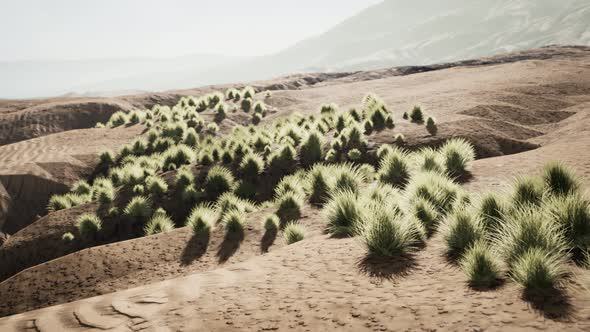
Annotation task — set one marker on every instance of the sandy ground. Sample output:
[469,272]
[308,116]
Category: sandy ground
[519,114]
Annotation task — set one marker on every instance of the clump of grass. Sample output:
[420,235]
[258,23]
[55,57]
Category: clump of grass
[184,178]
[289,207]
[107,158]
[417,115]
[435,187]
[293,232]
[246,104]
[457,153]
[389,234]
[426,213]
[572,214]
[234,222]
[283,161]
[178,155]
[311,150]
[429,159]
[82,188]
[202,219]
[527,190]
[490,210]
[272,223]
[319,185]
[399,139]
[218,181]
[354,155]
[252,165]
[405,116]
[344,212]
[67,237]
[462,230]
[159,223]
[89,224]
[560,179]
[394,168]
[139,207]
[431,126]
[538,270]
[156,185]
[481,265]
[58,202]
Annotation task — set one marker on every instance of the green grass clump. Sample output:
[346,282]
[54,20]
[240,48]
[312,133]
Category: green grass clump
[234,222]
[426,213]
[67,237]
[347,177]
[394,168]
[435,187]
[329,108]
[202,219]
[560,179]
[319,185]
[89,224]
[572,214]
[539,270]
[354,155]
[399,139]
[246,104]
[259,107]
[289,207]
[431,126]
[248,92]
[212,128]
[184,178]
[58,202]
[463,229]
[344,212]
[252,166]
[82,188]
[218,181]
[229,201]
[107,158]
[417,115]
[389,234]
[283,161]
[527,190]
[293,232]
[429,159]
[156,185]
[311,150]
[457,153]
[118,119]
[272,223]
[481,266]
[159,223]
[105,194]
[178,155]
[139,207]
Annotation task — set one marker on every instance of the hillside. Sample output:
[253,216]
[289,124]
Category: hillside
[517,110]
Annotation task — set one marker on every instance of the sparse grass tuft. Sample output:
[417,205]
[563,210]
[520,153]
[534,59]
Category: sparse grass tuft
[572,214]
[490,209]
[67,237]
[293,232]
[431,126]
[156,185]
[527,190]
[389,234]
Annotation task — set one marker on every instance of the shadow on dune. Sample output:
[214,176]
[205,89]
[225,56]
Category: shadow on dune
[552,304]
[229,246]
[195,248]
[267,240]
[386,267]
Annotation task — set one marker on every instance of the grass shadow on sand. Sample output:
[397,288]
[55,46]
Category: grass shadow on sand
[229,246]
[268,239]
[195,248]
[552,304]
[386,267]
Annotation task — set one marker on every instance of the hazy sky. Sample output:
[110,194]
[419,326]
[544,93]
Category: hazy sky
[80,29]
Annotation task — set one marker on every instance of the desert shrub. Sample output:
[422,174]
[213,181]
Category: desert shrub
[220,112]
[426,213]
[394,168]
[191,139]
[214,99]
[159,223]
[355,115]
[572,214]
[293,232]
[347,177]
[230,94]
[389,122]
[354,155]
[184,178]
[229,201]
[89,224]
[139,189]
[139,207]
[283,161]
[294,183]
[384,150]
[431,126]
[538,269]
[256,118]
[252,166]
[319,185]
[156,185]
[135,117]
[526,228]
[82,188]
[378,118]
[481,266]
[311,150]
[367,172]
[399,139]
[344,212]
[271,223]
[384,194]
[368,126]
[527,190]
[429,159]
[163,144]
[67,237]
[405,116]
[118,119]
[248,92]
[389,234]
[456,154]
[490,210]
[259,107]
[289,206]
[105,194]
[190,194]
[107,158]
[212,128]
[462,230]
[416,114]
[218,181]
[329,108]
[560,179]
[178,155]
[246,104]
[174,131]
[201,219]
[234,221]
[58,202]
[435,187]
[139,147]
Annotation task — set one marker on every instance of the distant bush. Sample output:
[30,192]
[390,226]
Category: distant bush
[293,232]
[212,128]
[394,168]
[560,179]
[159,223]
[259,107]
[329,108]
[431,126]
[481,265]
[344,212]
[256,118]
[399,139]
[283,161]
[89,224]
[416,115]
[220,112]
[462,231]
[201,220]
[218,181]
[405,116]
[118,119]
[192,138]
[82,188]
[139,207]
[289,207]
[67,237]
[107,158]
[457,154]
[246,104]
[248,92]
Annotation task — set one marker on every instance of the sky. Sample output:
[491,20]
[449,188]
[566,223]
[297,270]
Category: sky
[84,29]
